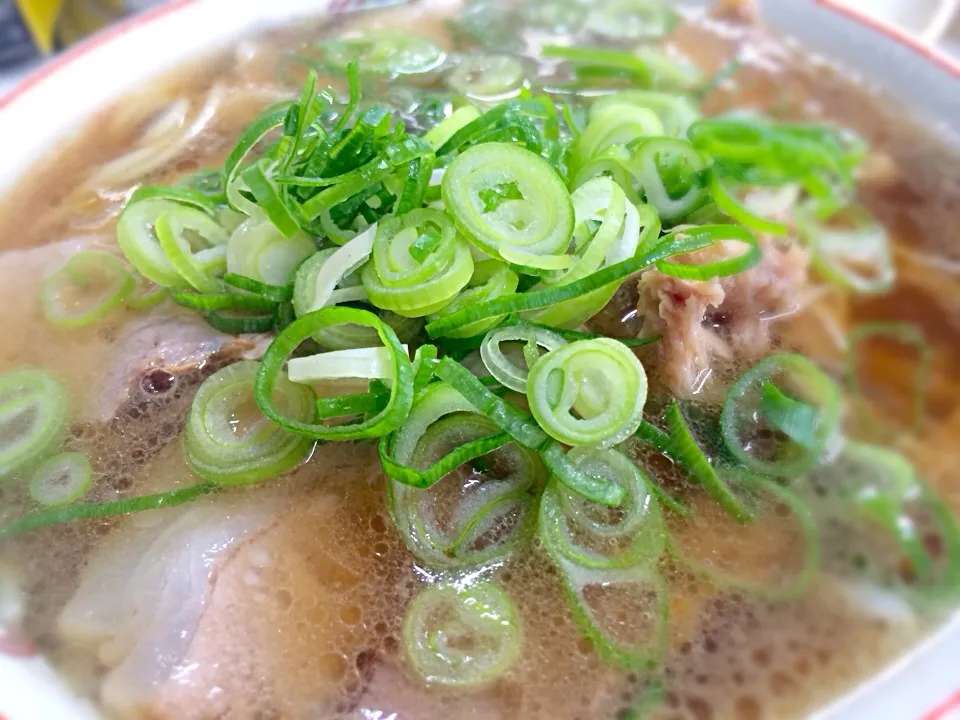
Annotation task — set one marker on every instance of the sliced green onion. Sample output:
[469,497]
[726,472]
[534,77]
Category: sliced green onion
[670,70]
[676,112]
[137,236]
[631,19]
[853,252]
[419,264]
[432,403]
[442,132]
[146,294]
[906,335]
[371,363]
[668,172]
[503,368]
[419,173]
[525,431]
[892,486]
[33,412]
[384,51]
[201,268]
[283,346]
[628,63]
[325,279]
[274,293]
[259,251]
[729,204]
[601,380]
[601,597]
[238,324]
[764,400]
[491,279]
[795,419]
[233,185]
[609,229]
[511,204]
[181,195]
[770,503]
[612,123]
[886,492]
[227,441]
[595,536]
[223,301]
[472,517]
[462,636]
[88,286]
[685,448]
[268,197]
[79,511]
[430,296]
[666,247]
[61,479]
[487,77]
[721,268]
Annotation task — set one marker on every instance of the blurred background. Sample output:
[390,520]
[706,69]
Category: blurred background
[33,30]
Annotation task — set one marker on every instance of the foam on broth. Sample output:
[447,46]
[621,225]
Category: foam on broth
[304,618]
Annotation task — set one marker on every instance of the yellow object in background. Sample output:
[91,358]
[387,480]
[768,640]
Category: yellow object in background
[54,24]
[40,17]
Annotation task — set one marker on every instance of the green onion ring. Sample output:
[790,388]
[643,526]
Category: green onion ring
[444,618]
[602,380]
[743,413]
[720,268]
[61,479]
[283,346]
[482,510]
[223,454]
[501,367]
[635,530]
[33,412]
[85,271]
[511,204]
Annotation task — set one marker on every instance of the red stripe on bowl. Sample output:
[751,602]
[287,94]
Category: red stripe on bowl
[940,712]
[16,646]
[941,59]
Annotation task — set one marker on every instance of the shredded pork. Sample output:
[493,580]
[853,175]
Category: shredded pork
[723,319]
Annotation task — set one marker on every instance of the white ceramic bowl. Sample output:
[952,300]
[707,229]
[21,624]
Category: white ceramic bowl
[924,685]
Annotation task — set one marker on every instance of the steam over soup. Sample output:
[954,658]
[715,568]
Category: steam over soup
[514,360]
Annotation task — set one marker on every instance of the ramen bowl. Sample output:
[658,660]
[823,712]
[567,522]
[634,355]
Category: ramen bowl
[47,107]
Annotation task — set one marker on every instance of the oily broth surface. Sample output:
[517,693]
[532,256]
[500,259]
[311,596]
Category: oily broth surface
[731,655]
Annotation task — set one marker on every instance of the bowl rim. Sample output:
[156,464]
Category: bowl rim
[35,78]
